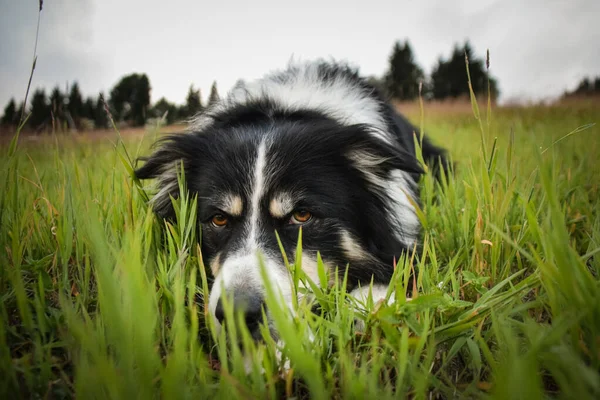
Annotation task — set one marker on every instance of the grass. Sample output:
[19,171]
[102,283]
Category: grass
[102,300]
[99,299]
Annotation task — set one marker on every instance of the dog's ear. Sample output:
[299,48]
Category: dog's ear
[390,173]
[165,165]
[374,156]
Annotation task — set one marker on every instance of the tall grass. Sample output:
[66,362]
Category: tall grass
[100,299]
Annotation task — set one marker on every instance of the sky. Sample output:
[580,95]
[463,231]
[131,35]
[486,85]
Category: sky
[538,48]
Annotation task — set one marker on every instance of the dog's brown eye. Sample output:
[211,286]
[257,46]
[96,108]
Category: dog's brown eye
[219,220]
[300,217]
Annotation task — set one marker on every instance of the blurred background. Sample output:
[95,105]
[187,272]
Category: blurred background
[149,60]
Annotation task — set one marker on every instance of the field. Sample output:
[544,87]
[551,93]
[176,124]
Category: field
[99,301]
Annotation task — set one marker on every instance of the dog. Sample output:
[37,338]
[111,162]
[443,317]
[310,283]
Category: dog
[313,146]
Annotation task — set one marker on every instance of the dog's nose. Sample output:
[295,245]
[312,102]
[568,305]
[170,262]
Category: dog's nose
[250,305]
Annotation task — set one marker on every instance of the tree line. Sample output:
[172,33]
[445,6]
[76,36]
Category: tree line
[129,100]
[128,103]
[405,79]
[587,87]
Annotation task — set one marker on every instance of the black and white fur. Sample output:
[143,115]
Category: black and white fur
[314,137]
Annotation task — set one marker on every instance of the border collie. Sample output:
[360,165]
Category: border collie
[312,146]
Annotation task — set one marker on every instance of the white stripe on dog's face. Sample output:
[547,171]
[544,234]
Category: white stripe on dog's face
[257,191]
[240,270]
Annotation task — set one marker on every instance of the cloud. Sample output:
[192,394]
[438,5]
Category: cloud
[65,50]
[538,48]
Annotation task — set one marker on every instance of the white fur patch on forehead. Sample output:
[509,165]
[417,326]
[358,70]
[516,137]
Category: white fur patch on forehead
[302,87]
[232,204]
[281,205]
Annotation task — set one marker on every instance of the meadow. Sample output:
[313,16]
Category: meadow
[100,299]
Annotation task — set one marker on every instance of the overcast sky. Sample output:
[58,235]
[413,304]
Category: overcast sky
[538,48]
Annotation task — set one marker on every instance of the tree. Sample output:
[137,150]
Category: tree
[193,103]
[379,84]
[130,99]
[57,100]
[442,83]
[141,102]
[88,109]
[10,117]
[100,117]
[75,106]
[40,110]
[403,76]
[163,106]
[586,87]
[449,78]
[214,95]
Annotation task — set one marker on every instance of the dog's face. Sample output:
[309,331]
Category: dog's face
[277,176]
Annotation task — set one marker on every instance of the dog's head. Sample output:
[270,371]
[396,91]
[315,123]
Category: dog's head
[343,185]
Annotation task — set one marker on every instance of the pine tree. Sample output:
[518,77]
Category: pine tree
[88,109]
[130,99]
[403,77]
[40,110]
[449,78]
[441,80]
[141,101]
[57,100]
[100,117]
[10,117]
[75,106]
[162,107]
[193,103]
[586,87]
[214,95]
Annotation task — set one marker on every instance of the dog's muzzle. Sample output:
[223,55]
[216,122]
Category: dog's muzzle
[250,305]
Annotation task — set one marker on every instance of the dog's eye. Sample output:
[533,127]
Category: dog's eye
[219,220]
[300,217]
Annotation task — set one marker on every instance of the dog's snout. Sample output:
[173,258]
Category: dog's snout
[249,304]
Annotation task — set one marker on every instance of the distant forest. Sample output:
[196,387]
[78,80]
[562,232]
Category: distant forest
[129,102]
